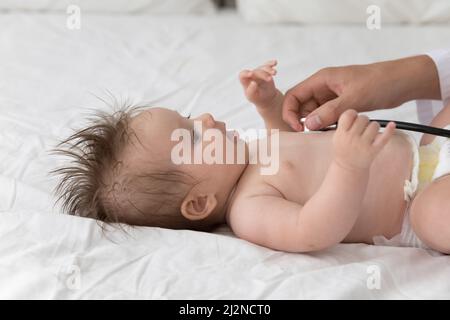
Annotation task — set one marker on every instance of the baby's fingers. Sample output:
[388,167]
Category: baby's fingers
[245,77]
[346,120]
[259,74]
[382,139]
[252,88]
[271,63]
[269,67]
[270,70]
[371,132]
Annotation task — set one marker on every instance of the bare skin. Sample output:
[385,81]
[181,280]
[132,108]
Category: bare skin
[430,209]
[326,191]
[331,187]
[265,209]
[325,95]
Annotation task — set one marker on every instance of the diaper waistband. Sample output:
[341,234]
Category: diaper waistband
[411,185]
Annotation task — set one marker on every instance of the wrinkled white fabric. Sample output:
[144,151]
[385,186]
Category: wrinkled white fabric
[49,77]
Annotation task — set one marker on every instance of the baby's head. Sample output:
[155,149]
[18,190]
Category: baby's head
[122,171]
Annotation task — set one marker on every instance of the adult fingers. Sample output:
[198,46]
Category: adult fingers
[291,112]
[325,115]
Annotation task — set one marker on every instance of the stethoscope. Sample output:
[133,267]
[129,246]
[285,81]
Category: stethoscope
[404,126]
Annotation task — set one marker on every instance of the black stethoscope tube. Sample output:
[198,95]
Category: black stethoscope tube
[407,126]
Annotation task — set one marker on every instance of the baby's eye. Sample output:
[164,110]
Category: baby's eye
[195,136]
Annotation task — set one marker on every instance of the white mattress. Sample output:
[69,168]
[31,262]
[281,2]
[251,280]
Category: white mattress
[49,77]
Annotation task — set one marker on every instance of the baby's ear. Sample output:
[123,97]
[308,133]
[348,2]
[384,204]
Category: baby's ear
[198,206]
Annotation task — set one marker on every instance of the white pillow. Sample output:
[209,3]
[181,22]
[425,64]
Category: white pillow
[344,11]
[113,6]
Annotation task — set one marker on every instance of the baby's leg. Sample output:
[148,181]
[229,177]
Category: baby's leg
[430,209]
[430,215]
[441,120]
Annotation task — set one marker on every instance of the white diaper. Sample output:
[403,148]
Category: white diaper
[406,238]
[425,162]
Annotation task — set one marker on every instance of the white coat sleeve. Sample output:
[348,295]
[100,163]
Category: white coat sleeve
[442,60]
[428,109]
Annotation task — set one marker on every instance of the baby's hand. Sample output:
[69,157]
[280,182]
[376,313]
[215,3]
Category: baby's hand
[258,84]
[357,142]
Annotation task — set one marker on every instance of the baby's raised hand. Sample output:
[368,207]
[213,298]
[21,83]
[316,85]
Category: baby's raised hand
[357,142]
[258,84]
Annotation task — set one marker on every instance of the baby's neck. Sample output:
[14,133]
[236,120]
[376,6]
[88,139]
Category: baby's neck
[223,210]
[226,207]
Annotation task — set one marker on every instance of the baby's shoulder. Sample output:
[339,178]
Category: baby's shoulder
[245,198]
[251,184]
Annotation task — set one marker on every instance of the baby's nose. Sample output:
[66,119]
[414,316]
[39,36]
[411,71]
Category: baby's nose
[209,119]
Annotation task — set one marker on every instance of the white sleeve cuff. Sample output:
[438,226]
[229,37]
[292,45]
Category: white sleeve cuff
[442,60]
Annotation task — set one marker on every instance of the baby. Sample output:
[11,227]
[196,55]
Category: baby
[350,185]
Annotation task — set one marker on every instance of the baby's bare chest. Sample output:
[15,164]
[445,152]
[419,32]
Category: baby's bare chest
[302,165]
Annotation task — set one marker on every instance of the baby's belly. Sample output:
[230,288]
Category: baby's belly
[384,205]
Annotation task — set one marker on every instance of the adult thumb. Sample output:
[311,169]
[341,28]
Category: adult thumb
[325,115]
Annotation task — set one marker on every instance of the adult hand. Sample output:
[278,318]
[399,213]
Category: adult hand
[325,95]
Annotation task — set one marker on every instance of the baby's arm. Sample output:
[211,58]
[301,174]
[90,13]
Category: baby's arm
[260,90]
[330,214]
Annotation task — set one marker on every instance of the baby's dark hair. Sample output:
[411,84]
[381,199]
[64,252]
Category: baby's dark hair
[96,184]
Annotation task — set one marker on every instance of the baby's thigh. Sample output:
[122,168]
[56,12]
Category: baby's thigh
[430,215]
[441,120]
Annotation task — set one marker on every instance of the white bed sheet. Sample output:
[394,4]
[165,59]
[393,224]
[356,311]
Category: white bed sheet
[49,77]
